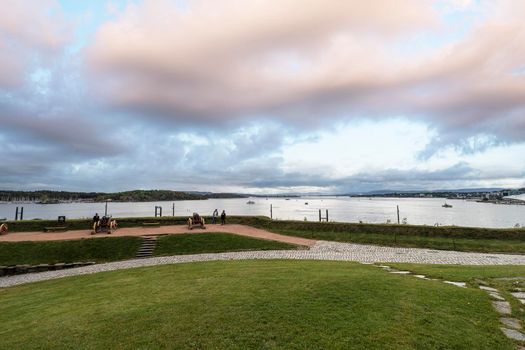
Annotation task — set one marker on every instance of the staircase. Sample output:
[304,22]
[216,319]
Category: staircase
[147,247]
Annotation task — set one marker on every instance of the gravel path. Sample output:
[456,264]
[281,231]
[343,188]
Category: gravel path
[321,250]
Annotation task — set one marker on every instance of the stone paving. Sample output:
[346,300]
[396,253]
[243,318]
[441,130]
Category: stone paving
[321,250]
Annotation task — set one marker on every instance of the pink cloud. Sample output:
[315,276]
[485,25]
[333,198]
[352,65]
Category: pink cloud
[300,60]
[29,30]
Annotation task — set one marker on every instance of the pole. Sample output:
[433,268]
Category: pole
[173,210]
[326,215]
[271,211]
[21,213]
[16,214]
[398,214]
[319,215]
[106,209]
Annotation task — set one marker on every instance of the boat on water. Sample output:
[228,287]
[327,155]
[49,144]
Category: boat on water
[305,203]
[446,205]
[250,202]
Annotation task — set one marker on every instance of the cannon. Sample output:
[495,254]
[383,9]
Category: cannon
[104,225]
[196,221]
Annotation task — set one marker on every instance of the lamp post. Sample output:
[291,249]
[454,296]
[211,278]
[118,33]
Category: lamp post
[106,210]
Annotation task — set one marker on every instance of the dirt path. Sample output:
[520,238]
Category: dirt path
[241,230]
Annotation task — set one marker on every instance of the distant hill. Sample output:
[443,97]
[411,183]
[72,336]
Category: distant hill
[48,197]
[462,190]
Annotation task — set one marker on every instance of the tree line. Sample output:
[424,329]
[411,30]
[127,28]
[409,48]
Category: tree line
[127,196]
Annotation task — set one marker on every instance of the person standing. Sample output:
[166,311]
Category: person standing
[214,216]
[96,218]
[223,217]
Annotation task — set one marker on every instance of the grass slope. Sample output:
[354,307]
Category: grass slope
[246,305]
[442,237]
[121,248]
[96,249]
[409,240]
[213,243]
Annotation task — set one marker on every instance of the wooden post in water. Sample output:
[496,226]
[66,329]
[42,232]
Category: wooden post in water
[173,210]
[398,214]
[16,214]
[326,215]
[271,211]
[319,215]
[21,213]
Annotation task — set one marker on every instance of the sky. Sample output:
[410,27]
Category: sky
[259,96]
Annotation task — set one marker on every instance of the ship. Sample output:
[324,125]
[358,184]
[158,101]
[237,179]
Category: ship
[446,205]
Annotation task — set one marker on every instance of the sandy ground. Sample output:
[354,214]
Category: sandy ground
[241,230]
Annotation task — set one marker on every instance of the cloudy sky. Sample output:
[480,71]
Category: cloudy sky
[262,96]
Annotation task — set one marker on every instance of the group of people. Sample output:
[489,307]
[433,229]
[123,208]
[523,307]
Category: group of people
[215,215]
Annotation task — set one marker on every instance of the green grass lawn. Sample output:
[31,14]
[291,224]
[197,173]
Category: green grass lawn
[48,252]
[413,240]
[504,278]
[192,243]
[248,305]
[464,273]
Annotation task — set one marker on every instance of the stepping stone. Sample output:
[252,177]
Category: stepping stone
[423,277]
[513,334]
[496,296]
[511,322]
[457,284]
[401,272]
[502,307]
[488,289]
[518,295]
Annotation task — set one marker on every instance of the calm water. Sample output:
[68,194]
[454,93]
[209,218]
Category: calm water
[426,211]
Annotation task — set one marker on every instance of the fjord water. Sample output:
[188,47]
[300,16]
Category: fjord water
[420,211]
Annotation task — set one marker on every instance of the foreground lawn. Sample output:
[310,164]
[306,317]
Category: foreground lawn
[464,273]
[411,240]
[192,243]
[49,252]
[506,279]
[246,305]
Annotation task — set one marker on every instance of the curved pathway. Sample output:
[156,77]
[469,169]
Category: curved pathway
[321,250]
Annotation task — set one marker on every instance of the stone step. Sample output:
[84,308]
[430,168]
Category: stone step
[147,247]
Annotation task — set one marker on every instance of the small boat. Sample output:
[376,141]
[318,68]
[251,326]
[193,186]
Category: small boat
[250,202]
[446,205]
[305,203]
